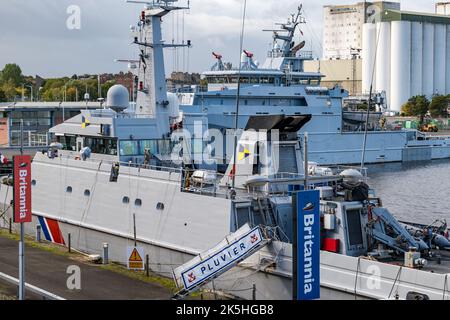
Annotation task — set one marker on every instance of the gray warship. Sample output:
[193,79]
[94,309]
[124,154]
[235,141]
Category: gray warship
[280,86]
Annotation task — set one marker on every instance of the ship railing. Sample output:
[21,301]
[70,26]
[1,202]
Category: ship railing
[108,161]
[304,55]
[273,185]
[307,55]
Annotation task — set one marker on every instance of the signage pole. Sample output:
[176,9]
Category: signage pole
[294,247]
[21,243]
[134,229]
[305,159]
[21,265]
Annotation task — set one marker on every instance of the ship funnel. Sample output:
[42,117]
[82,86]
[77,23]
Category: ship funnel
[118,98]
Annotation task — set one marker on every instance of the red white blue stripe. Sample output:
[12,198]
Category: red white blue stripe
[51,230]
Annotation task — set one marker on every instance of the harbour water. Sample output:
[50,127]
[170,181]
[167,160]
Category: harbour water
[414,192]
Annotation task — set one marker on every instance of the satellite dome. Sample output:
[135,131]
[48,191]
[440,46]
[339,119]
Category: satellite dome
[352,175]
[118,98]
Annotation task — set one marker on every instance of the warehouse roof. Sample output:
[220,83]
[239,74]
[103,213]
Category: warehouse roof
[397,15]
[31,106]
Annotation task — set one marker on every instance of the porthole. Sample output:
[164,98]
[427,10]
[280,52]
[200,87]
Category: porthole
[69,189]
[160,206]
[125,200]
[138,202]
[87,193]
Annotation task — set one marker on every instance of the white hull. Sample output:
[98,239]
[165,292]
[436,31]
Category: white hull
[181,231]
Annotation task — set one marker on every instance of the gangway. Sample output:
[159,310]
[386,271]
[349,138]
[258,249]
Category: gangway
[212,263]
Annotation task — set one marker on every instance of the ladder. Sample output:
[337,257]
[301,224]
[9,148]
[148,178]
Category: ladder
[212,263]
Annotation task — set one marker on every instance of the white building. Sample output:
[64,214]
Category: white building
[443,8]
[412,58]
[343,27]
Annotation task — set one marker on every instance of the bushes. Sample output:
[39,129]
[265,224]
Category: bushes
[420,106]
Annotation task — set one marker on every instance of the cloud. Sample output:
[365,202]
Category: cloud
[34,32]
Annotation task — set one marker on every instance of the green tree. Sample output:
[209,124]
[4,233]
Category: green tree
[9,90]
[13,74]
[2,96]
[416,106]
[106,86]
[439,105]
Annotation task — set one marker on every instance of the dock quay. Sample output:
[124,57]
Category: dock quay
[47,268]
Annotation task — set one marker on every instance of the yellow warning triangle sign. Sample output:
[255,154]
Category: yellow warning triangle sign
[135,257]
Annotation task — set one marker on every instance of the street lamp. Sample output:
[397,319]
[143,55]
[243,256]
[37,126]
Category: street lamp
[39,94]
[23,92]
[65,92]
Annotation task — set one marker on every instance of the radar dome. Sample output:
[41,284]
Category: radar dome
[118,98]
[352,175]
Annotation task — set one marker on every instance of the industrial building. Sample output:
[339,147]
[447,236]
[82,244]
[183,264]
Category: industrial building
[37,119]
[406,54]
[443,8]
[342,32]
[345,72]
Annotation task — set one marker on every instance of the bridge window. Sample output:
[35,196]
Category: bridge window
[129,148]
[101,145]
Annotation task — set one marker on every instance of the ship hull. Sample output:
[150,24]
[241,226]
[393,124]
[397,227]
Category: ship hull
[245,281]
[330,147]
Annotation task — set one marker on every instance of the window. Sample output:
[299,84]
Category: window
[160,206]
[126,200]
[138,202]
[69,189]
[68,142]
[87,193]
[129,148]
[102,146]
[152,145]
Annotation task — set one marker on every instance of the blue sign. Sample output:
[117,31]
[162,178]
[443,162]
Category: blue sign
[308,245]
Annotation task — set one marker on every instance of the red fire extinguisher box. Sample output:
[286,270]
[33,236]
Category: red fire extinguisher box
[331,245]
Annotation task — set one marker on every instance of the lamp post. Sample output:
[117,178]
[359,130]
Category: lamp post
[23,91]
[39,95]
[65,91]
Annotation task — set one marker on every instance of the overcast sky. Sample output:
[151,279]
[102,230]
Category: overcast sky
[34,32]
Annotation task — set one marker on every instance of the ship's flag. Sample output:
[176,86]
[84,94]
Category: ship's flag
[85,122]
[243,153]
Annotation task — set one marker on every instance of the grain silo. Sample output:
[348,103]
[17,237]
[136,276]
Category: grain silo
[409,53]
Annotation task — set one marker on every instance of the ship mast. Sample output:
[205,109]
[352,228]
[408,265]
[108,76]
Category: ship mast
[288,29]
[151,101]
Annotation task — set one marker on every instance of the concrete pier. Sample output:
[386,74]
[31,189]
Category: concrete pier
[51,271]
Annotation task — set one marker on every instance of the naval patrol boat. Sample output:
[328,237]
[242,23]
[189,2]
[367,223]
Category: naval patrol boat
[129,177]
[280,86]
